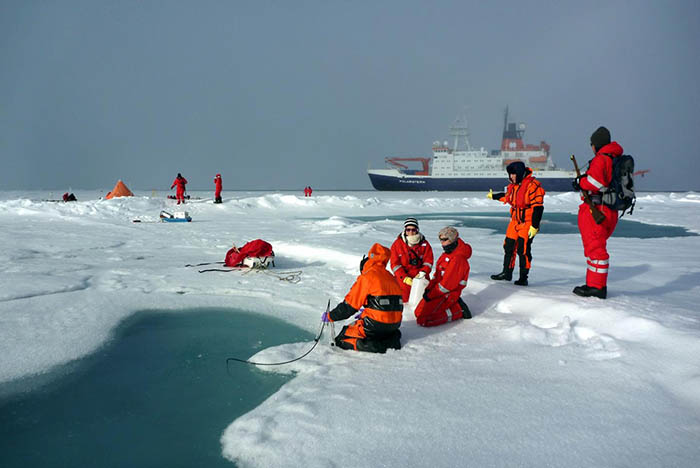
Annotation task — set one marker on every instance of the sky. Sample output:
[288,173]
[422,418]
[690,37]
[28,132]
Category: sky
[280,95]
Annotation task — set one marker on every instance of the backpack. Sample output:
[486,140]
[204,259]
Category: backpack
[620,193]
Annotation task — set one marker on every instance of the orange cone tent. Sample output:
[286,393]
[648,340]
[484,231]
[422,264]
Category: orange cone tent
[119,190]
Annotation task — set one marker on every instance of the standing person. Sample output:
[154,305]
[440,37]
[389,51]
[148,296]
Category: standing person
[441,299]
[310,190]
[306,191]
[595,236]
[525,195]
[180,183]
[217,188]
[411,257]
[377,295]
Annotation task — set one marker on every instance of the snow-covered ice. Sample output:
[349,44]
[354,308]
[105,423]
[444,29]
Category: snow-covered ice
[539,377]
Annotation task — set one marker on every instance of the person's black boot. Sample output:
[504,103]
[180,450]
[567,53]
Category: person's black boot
[522,281]
[588,291]
[506,274]
[466,313]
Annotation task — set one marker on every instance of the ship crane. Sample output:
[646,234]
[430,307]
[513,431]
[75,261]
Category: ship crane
[424,161]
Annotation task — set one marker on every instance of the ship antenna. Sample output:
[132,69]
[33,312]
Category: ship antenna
[459,129]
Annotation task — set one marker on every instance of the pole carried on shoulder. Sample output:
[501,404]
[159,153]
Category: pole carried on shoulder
[598,216]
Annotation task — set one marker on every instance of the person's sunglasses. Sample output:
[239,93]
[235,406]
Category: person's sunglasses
[411,230]
[443,239]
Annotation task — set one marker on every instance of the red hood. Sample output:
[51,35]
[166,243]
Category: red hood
[463,248]
[613,149]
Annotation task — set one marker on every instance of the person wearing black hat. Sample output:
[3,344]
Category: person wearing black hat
[180,183]
[595,236]
[525,195]
[411,257]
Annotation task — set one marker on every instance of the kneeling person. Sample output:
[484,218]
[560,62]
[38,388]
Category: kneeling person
[411,257]
[379,296]
[441,299]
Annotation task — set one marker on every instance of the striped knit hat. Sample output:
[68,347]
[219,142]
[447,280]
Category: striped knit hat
[410,222]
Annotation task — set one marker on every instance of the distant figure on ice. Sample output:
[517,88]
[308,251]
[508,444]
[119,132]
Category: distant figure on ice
[378,296]
[217,188]
[69,197]
[525,195]
[310,190]
[595,236]
[180,183]
[441,299]
[254,254]
[411,257]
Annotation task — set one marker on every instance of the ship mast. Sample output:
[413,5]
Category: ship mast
[460,129]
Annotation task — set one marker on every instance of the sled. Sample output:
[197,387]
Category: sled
[178,217]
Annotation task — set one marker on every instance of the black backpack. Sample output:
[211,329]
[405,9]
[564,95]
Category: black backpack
[620,193]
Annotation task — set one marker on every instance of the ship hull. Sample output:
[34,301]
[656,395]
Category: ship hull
[458,184]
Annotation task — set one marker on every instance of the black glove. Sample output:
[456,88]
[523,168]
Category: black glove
[575,184]
[425,296]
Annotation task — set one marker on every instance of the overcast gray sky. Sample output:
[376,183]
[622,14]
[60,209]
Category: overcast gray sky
[284,94]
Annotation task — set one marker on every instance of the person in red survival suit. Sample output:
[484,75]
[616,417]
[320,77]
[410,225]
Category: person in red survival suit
[441,300]
[180,183]
[217,186]
[595,236]
[411,257]
[254,248]
[377,295]
[525,195]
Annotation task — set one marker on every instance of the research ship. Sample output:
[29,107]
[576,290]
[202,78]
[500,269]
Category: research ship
[465,168]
